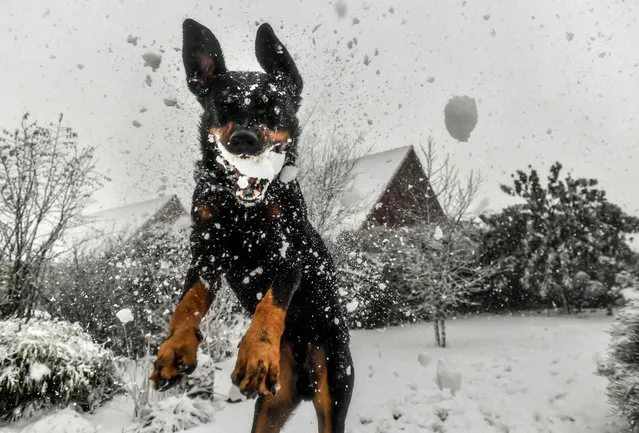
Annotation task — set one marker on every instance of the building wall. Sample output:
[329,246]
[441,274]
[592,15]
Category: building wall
[408,199]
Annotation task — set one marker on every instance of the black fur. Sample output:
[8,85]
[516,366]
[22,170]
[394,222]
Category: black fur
[271,241]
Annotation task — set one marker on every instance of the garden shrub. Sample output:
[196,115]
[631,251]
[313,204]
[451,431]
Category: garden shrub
[51,363]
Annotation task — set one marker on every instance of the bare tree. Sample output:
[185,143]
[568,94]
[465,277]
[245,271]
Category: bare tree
[45,177]
[446,260]
[326,170]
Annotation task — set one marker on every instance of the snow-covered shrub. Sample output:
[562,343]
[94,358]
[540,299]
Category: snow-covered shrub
[144,274]
[47,363]
[365,296]
[175,414]
[64,421]
[201,383]
[565,226]
[621,366]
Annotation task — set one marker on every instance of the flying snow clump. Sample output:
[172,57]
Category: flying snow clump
[124,315]
[424,358]
[460,117]
[152,60]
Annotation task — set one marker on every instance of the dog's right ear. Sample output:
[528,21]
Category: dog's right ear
[202,57]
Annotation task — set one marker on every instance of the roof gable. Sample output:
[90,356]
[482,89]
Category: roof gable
[123,222]
[372,174]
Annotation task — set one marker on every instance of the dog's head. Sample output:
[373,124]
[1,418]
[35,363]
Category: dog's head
[249,124]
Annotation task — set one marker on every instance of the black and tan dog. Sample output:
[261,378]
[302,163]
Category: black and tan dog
[250,226]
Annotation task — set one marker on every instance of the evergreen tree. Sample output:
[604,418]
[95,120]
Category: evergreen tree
[564,228]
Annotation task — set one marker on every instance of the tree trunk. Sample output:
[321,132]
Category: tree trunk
[442,328]
[437,339]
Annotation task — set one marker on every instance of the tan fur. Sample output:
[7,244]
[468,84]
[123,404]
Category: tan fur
[223,134]
[275,409]
[259,351]
[322,399]
[269,136]
[182,342]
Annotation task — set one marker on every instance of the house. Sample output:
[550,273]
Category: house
[389,188]
[125,222]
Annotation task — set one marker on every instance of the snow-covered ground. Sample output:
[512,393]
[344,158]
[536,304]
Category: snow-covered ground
[518,374]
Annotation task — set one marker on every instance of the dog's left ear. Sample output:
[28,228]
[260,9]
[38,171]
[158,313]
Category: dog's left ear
[275,59]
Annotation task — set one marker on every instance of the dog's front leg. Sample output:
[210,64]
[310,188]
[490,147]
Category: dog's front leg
[257,369]
[177,354]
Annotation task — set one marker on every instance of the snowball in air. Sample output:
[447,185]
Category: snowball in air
[460,117]
[124,315]
[424,358]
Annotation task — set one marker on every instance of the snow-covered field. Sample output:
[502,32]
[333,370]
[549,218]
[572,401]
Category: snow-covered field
[519,374]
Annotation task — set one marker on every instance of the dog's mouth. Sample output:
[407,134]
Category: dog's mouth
[250,189]
[252,174]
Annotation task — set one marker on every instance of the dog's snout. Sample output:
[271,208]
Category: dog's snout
[243,142]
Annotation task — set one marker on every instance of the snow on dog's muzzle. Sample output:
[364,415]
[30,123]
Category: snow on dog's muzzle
[254,172]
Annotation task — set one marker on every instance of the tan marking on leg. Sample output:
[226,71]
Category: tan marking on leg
[191,309]
[275,409]
[257,366]
[322,399]
[183,339]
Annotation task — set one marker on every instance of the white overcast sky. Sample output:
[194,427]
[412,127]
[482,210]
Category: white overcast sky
[553,79]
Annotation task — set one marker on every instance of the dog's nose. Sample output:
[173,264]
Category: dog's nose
[243,142]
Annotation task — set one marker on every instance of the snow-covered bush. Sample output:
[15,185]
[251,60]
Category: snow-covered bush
[412,273]
[175,414]
[566,227]
[143,276]
[201,383]
[365,296]
[621,365]
[64,421]
[47,363]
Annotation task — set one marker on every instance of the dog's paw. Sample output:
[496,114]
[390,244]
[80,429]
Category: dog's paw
[176,357]
[257,369]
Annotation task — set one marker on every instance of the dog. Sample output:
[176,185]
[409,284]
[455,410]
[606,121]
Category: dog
[250,226]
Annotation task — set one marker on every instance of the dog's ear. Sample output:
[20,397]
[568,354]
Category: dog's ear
[275,59]
[202,57]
